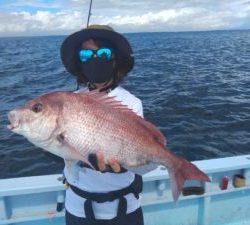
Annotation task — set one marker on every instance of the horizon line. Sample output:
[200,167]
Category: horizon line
[184,31]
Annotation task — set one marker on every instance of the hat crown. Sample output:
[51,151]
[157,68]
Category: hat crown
[100,27]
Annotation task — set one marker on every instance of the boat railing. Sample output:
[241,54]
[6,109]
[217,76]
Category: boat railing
[40,199]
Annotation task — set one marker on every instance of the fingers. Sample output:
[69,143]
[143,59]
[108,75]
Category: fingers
[114,165]
[100,162]
[111,162]
[97,160]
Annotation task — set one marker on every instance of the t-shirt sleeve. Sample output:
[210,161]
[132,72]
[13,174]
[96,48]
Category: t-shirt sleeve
[138,108]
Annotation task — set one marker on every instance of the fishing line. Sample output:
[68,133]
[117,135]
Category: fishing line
[90,6]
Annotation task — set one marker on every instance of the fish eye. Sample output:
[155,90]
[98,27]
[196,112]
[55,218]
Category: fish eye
[37,107]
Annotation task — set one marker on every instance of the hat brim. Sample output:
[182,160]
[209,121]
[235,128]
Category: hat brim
[72,44]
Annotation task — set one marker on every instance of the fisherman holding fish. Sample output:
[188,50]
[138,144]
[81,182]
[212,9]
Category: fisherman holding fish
[100,58]
[97,129]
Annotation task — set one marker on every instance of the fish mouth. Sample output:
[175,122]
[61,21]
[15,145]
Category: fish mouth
[12,126]
[14,122]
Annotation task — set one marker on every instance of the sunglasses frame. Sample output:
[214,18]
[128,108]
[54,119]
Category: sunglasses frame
[85,58]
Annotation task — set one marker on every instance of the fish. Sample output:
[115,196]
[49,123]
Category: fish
[75,125]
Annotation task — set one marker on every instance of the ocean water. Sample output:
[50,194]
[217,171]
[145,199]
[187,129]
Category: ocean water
[195,87]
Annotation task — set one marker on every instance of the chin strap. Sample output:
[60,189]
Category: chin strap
[91,86]
[106,86]
[109,88]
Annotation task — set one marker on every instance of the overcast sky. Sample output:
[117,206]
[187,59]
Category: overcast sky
[47,17]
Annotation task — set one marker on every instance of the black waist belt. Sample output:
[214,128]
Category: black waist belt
[135,188]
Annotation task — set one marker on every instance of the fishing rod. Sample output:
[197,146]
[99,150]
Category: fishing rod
[90,6]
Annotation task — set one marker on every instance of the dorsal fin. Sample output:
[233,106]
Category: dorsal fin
[110,102]
[107,101]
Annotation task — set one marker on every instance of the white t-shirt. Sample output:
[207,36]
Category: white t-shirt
[95,181]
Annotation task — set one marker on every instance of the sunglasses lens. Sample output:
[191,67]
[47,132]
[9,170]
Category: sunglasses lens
[104,53]
[85,54]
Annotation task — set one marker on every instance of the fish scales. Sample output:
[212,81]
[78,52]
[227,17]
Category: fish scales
[105,126]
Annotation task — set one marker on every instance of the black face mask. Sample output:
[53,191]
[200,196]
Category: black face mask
[98,70]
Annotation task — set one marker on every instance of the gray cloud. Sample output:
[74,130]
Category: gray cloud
[125,16]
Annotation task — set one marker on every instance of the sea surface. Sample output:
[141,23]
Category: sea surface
[195,87]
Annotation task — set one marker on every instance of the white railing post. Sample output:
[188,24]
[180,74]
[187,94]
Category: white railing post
[3,209]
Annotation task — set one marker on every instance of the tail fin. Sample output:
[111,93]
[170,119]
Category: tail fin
[182,172]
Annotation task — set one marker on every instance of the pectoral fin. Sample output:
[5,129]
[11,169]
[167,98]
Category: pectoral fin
[71,153]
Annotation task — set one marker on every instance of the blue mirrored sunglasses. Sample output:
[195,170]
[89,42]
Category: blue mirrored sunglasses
[103,53]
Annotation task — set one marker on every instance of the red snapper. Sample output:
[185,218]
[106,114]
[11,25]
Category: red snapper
[74,125]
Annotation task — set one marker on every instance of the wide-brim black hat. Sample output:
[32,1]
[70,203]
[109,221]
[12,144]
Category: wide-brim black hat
[72,44]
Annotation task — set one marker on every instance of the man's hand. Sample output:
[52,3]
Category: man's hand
[97,160]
